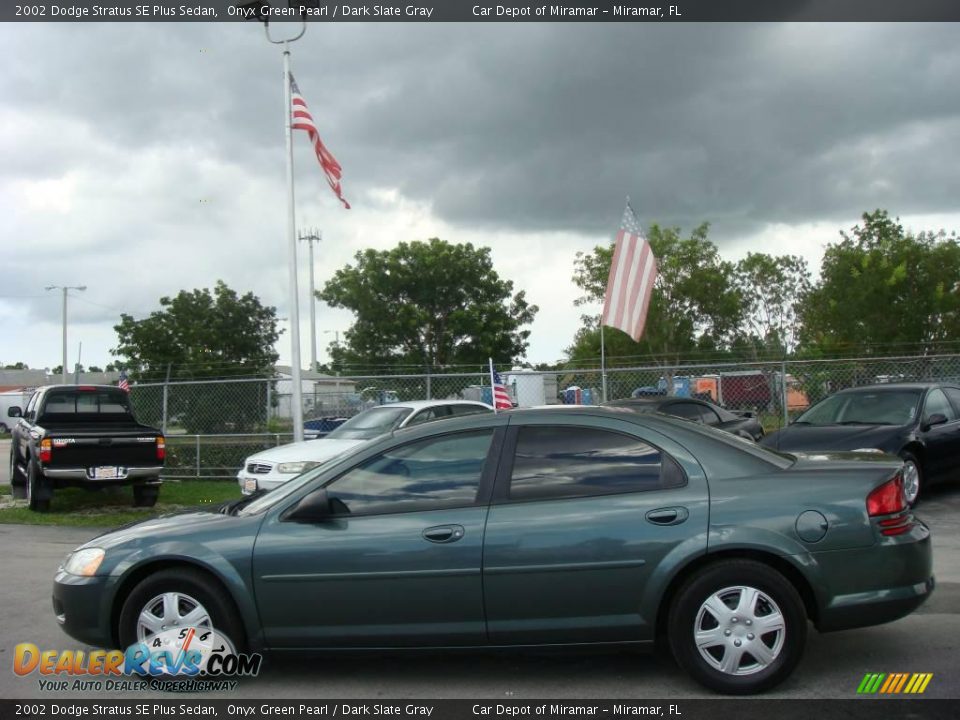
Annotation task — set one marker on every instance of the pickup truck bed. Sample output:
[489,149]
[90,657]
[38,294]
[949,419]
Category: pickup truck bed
[83,436]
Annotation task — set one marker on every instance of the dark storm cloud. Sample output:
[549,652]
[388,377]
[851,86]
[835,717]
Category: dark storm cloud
[533,127]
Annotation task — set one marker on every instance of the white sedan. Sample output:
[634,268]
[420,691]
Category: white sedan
[270,468]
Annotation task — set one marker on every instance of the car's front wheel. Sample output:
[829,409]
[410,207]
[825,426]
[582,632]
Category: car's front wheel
[165,606]
[17,486]
[37,500]
[912,478]
[738,627]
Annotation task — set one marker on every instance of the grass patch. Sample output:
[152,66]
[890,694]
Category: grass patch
[109,507]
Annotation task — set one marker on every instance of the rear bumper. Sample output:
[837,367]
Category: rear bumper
[874,608]
[82,476]
[877,584]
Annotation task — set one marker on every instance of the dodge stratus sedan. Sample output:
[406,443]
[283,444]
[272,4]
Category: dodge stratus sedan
[569,525]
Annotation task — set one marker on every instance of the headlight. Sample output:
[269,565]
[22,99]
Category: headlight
[869,450]
[84,562]
[296,467]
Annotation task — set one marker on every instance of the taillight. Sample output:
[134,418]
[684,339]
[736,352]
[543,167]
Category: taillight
[887,499]
[46,450]
[161,448]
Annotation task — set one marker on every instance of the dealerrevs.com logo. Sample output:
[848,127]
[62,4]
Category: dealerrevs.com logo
[178,659]
[894,683]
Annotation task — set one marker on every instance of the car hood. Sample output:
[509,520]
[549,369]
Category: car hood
[166,527]
[835,437]
[315,450]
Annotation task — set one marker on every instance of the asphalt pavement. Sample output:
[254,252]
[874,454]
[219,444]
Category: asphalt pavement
[832,667]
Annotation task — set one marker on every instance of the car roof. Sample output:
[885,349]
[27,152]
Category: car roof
[895,386]
[421,404]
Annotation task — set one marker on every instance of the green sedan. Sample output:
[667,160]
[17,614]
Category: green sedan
[566,525]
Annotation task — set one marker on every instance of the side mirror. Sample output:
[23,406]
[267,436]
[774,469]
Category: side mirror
[935,419]
[14,411]
[313,507]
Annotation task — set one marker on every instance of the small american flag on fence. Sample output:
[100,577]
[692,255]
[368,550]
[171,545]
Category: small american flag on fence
[632,275]
[500,396]
[124,383]
[303,120]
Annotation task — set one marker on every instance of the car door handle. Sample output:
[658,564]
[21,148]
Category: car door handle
[443,533]
[668,516]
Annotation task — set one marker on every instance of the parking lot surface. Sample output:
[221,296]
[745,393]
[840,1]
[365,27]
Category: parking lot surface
[832,667]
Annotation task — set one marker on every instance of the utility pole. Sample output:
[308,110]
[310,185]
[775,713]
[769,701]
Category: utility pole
[311,237]
[65,288]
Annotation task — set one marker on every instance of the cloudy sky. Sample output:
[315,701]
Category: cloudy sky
[140,160]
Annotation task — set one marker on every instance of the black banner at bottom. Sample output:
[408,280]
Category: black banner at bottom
[714,709]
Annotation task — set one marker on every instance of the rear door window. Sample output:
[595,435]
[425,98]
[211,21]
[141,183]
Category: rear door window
[565,462]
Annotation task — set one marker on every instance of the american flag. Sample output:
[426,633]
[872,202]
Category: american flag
[501,399]
[632,275]
[124,384]
[302,120]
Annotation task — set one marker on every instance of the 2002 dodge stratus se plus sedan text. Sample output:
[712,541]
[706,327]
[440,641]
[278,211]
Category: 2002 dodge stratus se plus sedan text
[545,526]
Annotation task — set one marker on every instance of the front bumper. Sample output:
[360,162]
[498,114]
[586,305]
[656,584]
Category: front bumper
[250,483]
[78,603]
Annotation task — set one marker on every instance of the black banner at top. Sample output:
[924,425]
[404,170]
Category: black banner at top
[482,11]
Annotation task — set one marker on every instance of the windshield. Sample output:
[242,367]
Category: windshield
[865,407]
[370,423]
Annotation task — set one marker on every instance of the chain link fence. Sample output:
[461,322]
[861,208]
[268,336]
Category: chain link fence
[212,426]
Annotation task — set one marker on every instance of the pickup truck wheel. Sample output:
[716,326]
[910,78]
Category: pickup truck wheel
[169,601]
[145,495]
[17,486]
[34,490]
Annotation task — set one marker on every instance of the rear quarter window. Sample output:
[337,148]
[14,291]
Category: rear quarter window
[564,462]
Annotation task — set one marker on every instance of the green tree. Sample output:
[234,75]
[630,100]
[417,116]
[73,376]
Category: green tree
[203,335]
[771,288]
[17,366]
[881,287]
[428,304]
[695,306]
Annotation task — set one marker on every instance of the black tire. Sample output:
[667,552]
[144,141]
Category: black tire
[912,494]
[36,487]
[193,583]
[18,487]
[145,495]
[729,582]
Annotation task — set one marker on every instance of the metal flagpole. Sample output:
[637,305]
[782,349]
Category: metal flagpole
[297,400]
[603,364]
[493,398]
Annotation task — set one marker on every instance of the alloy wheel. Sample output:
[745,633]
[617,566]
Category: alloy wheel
[911,481]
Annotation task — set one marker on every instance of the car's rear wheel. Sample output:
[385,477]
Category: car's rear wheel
[145,495]
[912,478]
[34,490]
[738,627]
[172,600]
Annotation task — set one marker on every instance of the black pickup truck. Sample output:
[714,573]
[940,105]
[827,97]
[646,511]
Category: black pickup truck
[83,436]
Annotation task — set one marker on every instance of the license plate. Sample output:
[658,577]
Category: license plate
[250,486]
[106,472]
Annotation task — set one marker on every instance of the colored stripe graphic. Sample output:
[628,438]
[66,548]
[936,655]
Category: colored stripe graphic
[894,683]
